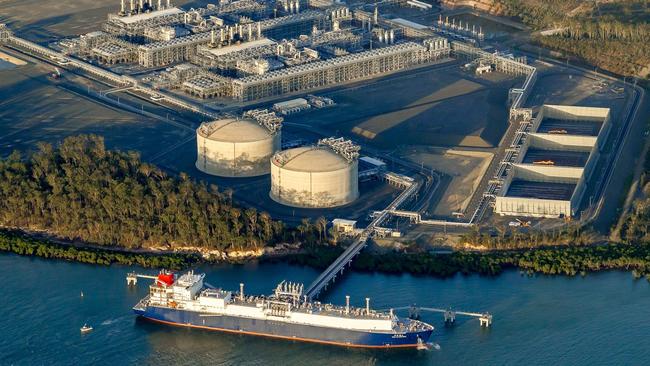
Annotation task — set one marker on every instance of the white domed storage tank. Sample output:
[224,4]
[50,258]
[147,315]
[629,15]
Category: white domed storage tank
[314,176]
[233,147]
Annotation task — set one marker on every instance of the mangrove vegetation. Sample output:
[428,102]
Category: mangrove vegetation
[19,243]
[551,260]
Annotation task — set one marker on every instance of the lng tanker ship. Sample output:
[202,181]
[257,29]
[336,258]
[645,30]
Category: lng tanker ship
[285,314]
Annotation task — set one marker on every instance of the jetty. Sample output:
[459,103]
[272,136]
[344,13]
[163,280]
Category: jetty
[132,278]
[338,266]
[485,319]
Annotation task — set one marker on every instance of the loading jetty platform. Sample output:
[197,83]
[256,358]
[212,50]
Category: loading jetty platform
[337,268]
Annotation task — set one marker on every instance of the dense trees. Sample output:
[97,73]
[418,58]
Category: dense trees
[557,260]
[570,235]
[619,56]
[81,190]
[539,13]
[614,36]
[636,224]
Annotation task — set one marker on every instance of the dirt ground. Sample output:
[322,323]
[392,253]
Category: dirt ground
[465,167]
[553,87]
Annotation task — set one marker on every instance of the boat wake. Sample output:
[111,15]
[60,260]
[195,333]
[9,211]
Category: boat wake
[113,321]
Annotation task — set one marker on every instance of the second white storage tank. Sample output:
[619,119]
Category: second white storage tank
[313,176]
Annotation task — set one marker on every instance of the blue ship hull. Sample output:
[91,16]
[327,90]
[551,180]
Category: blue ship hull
[281,330]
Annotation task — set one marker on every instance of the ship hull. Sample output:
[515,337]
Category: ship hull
[282,330]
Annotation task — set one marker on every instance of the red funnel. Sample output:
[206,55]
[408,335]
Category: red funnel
[166,278]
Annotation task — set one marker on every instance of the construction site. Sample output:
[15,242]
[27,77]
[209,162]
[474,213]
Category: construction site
[238,80]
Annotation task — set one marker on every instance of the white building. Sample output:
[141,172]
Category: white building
[554,165]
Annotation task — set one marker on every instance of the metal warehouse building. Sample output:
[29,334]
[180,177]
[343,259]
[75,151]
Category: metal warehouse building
[554,164]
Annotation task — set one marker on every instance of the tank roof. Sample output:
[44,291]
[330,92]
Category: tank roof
[310,159]
[234,130]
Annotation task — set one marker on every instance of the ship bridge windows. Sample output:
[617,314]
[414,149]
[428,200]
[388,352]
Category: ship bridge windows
[275,308]
[159,294]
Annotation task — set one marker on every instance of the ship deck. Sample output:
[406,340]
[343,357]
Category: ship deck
[317,308]
[400,326]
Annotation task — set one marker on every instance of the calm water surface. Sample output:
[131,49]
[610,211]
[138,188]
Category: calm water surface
[602,319]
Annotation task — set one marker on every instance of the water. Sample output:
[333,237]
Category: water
[601,319]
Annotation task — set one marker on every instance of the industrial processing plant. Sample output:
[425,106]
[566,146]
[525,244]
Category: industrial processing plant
[247,50]
[256,87]
[425,143]
[219,59]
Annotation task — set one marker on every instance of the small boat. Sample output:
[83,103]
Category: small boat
[86,328]
[82,294]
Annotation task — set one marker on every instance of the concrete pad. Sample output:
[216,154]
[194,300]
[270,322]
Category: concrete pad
[379,124]
[34,109]
[466,167]
[439,107]
[10,59]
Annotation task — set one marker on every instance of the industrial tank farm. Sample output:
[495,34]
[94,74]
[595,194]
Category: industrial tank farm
[325,175]
[233,147]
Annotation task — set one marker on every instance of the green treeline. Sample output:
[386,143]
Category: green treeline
[18,243]
[609,30]
[636,224]
[556,260]
[539,14]
[81,190]
[502,238]
[621,57]
[565,261]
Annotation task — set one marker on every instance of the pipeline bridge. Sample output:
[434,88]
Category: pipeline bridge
[416,218]
[485,319]
[338,267]
[132,278]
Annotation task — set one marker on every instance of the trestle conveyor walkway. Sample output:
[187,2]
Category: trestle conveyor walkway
[336,268]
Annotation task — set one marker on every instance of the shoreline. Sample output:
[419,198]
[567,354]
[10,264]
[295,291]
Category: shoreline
[568,261]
